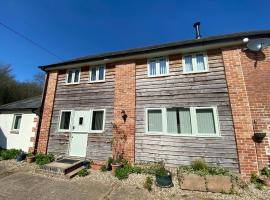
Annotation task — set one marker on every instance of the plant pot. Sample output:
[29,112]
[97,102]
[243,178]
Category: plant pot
[30,159]
[115,166]
[266,182]
[164,181]
[258,137]
[20,157]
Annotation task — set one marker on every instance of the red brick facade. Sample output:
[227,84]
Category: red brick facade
[249,98]
[125,96]
[47,112]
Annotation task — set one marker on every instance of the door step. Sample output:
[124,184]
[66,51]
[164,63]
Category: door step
[62,166]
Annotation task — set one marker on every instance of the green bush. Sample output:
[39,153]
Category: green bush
[266,172]
[199,165]
[83,172]
[148,183]
[122,173]
[42,159]
[256,181]
[9,154]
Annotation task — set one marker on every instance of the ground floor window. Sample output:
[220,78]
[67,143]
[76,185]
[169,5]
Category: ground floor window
[65,120]
[16,122]
[197,121]
[97,120]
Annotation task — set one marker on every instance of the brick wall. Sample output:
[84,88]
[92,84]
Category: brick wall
[248,85]
[47,112]
[124,101]
[257,81]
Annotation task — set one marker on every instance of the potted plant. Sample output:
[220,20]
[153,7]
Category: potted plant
[20,156]
[163,177]
[258,137]
[30,157]
[116,163]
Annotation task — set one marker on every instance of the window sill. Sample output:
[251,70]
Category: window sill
[156,76]
[96,132]
[72,83]
[183,135]
[199,72]
[93,82]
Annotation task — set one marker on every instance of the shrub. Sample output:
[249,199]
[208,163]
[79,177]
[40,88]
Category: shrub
[153,168]
[103,168]
[42,159]
[148,183]
[266,172]
[83,172]
[199,165]
[256,181]
[122,173]
[9,153]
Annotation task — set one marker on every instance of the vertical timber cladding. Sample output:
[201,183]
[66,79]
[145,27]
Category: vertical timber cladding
[47,112]
[178,89]
[125,97]
[84,96]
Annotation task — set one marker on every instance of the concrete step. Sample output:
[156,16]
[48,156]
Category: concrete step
[74,172]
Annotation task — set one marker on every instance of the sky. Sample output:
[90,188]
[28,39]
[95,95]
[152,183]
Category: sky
[74,28]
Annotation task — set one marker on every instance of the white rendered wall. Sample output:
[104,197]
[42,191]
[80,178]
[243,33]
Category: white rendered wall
[20,140]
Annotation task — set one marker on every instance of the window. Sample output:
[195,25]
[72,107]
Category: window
[97,120]
[195,63]
[16,122]
[97,73]
[73,76]
[65,120]
[193,121]
[158,67]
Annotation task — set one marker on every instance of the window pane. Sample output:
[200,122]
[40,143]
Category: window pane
[101,73]
[76,76]
[162,64]
[97,121]
[69,79]
[188,64]
[200,62]
[155,120]
[93,74]
[17,122]
[152,68]
[185,120]
[65,120]
[172,125]
[205,121]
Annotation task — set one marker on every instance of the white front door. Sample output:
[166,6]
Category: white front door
[79,135]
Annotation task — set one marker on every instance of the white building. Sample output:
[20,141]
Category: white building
[18,124]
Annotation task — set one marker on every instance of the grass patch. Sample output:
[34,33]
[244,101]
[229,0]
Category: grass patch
[148,183]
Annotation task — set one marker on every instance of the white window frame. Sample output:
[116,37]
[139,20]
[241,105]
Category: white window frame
[193,122]
[13,122]
[70,121]
[97,73]
[194,63]
[158,67]
[73,76]
[91,120]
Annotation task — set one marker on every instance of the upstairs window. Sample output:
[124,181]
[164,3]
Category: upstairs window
[16,122]
[158,67]
[73,76]
[65,120]
[195,63]
[97,73]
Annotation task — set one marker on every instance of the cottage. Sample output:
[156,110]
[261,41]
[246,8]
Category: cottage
[18,124]
[173,102]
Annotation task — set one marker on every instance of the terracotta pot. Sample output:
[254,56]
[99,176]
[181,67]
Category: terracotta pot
[266,182]
[115,166]
[96,166]
[30,159]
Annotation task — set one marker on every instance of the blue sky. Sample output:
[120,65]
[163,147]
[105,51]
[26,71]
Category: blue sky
[74,28]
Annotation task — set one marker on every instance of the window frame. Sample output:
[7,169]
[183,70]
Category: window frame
[91,120]
[13,122]
[194,63]
[73,76]
[194,129]
[158,66]
[97,73]
[70,121]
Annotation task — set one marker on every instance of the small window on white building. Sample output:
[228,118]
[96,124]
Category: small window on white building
[73,76]
[16,122]
[97,73]
[65,120]
[158,67]
[97,120]
[193,63]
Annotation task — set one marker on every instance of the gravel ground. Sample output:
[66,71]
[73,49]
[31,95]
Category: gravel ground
[136,181]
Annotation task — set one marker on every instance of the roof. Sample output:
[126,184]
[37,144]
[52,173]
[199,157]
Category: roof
[163,47]
[29,103]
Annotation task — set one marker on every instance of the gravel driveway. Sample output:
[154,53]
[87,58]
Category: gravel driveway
[19,182]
